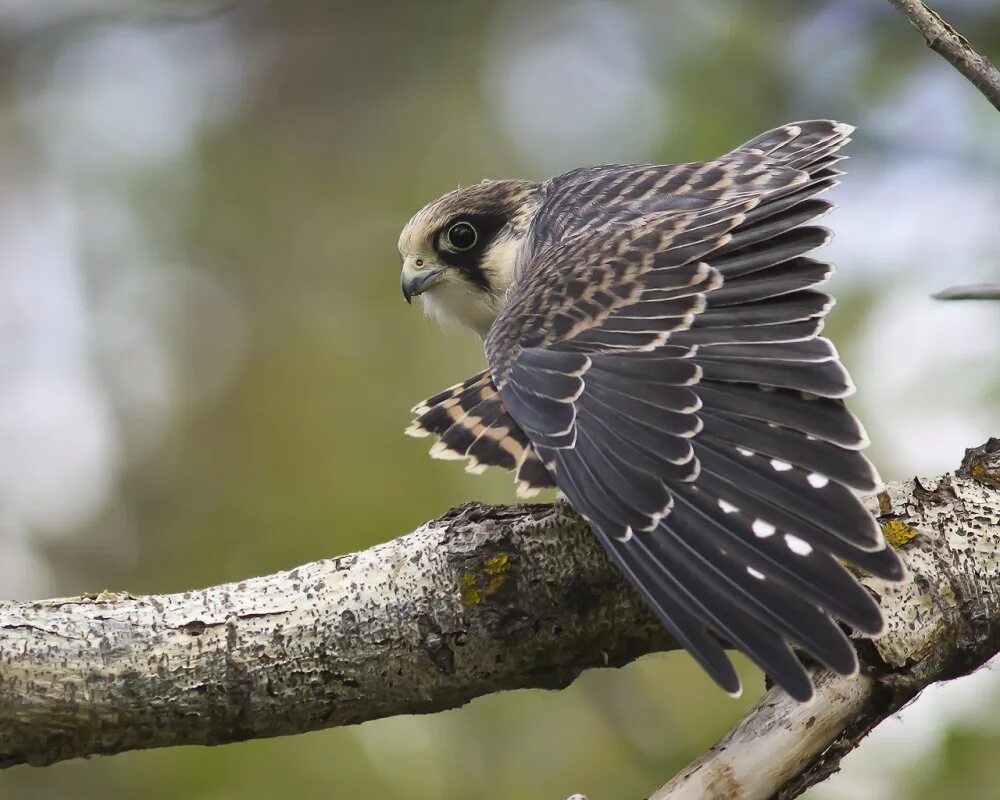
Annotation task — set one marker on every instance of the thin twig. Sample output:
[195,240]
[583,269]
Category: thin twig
[943,39]
[975,291]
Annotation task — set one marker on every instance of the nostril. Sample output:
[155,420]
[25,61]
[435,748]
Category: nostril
[419,262]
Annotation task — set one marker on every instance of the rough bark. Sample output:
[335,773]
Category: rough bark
[944,40]
[482,600]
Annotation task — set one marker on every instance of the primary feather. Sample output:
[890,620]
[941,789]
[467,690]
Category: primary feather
[657,356]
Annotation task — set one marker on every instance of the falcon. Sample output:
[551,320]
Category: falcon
[652,336]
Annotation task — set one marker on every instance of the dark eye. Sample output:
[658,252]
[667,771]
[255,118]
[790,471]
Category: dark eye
[462,236]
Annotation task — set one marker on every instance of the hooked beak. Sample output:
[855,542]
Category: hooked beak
[418,279]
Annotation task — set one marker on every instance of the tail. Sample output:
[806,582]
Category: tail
[472,423]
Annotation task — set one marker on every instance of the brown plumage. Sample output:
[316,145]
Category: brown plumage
[654,350]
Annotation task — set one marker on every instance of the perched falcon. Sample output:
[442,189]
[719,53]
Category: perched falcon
[654,350]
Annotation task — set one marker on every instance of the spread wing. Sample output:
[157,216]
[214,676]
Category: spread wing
[660,356]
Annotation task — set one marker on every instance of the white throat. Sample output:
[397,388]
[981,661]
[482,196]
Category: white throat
[450,302]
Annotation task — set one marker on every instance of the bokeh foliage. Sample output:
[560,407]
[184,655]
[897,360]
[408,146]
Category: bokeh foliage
[341,119]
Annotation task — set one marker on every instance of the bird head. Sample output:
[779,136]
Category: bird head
[460,252]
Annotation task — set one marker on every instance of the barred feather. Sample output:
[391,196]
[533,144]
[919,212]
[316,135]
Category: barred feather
[473,424]
[659,358]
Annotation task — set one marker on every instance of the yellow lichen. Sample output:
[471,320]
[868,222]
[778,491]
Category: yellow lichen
[884,503]
[471,596]
[897,533]
[475,589]
[106,596]
[496,565]
[982,475]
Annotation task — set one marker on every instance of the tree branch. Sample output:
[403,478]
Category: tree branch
[975,291]
[944,40]
[482,600]
[774,742]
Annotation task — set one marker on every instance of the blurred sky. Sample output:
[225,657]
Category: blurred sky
[206,367]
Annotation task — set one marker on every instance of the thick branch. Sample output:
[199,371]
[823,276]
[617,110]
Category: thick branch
[955,48]
[775,741]
[482,600]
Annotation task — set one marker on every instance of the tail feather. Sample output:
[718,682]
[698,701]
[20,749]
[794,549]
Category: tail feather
[473,423]
[767,600]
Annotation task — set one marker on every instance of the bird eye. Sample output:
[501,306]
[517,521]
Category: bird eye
[462,236]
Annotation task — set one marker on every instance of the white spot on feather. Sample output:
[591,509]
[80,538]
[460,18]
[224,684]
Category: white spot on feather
[780,466]
[727,508]
[762,529]
[798,546]
[816,480]
[743,451]
[755,573]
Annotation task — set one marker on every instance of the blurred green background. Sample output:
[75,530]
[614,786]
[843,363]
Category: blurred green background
[206,365]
